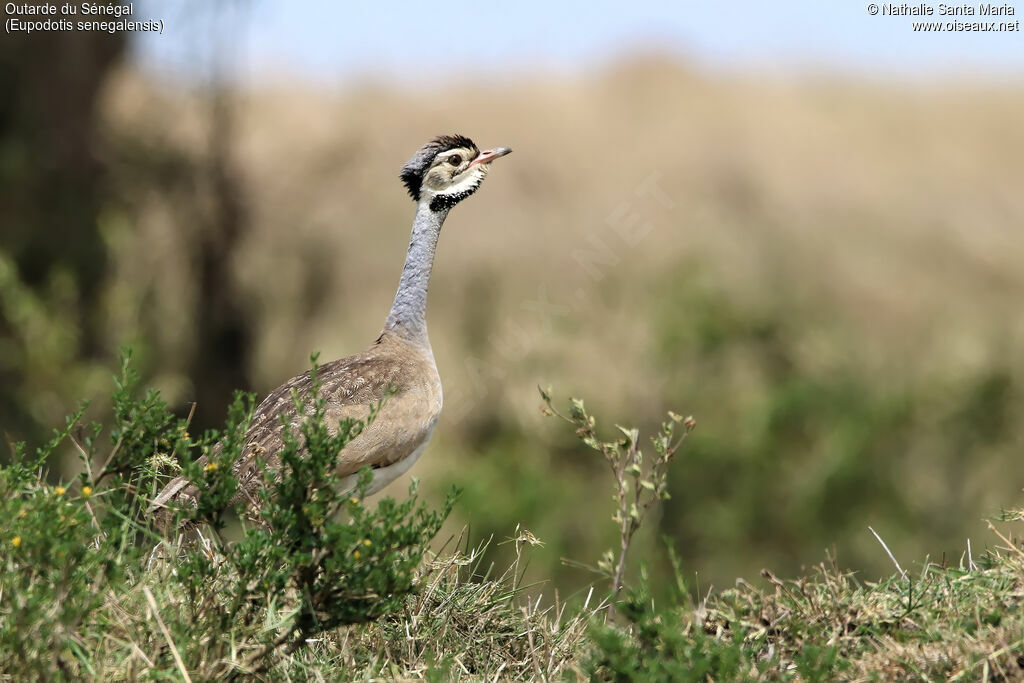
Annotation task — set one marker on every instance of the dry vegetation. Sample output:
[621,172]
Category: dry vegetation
[86,596]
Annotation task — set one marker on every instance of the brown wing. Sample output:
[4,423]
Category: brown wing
[349,386]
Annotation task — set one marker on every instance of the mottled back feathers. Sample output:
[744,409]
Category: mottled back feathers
[349,386]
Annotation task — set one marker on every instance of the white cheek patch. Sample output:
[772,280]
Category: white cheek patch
[459,190]
[470,181]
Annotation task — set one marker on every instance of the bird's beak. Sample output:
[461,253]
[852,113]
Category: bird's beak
[489,155]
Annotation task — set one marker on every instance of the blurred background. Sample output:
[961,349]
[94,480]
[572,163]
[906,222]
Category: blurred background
[800,224]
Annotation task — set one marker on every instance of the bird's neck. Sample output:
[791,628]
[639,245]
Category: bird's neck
[408,317]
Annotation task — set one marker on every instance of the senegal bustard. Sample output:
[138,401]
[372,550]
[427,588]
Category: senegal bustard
[441,174]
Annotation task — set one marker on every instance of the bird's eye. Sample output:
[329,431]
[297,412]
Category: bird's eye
[455,160]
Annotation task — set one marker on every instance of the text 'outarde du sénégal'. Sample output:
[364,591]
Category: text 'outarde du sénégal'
[71,9]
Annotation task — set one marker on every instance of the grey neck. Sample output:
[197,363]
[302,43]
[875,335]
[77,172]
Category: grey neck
[408,317]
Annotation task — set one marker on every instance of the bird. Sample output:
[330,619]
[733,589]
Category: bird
[397,370]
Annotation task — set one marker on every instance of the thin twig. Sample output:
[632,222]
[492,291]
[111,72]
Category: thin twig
[104,471]
[167,634]
[888,552]
[1010,544]
[86,460]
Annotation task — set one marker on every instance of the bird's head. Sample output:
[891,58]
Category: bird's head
[448,169]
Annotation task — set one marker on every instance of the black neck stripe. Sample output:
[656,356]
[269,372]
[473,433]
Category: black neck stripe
[446,201]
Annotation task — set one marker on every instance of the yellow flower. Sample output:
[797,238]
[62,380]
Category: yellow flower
[16,541]
[212,467]
[353,499]
[22,513]
[356,554]
[367,543]
[59,490]
[86,491]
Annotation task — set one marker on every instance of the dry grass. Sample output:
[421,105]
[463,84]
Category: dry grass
[959,622]
[466,624]
[463,623]
[954,622]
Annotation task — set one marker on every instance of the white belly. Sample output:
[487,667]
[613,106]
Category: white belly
[382,476]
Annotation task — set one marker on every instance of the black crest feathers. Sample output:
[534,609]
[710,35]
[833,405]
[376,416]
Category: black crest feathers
[412,172]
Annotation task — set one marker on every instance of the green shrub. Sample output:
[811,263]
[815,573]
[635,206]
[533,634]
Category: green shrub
[638,483]
[661,645]
[324,587]
[80,583]
[60,559]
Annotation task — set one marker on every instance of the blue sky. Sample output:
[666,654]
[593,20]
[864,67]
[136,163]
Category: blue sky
[422,42]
